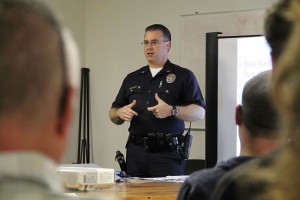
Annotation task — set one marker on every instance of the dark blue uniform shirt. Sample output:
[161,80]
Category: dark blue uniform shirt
[175,85]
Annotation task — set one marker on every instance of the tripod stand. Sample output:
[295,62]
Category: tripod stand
[83,154]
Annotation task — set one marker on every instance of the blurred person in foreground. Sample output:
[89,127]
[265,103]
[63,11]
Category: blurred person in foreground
[39,73]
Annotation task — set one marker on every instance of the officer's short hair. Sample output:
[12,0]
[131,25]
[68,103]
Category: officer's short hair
[160,27]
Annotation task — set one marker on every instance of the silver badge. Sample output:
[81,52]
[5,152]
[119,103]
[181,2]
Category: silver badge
[171,78]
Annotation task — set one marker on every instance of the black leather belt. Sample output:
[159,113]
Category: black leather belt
[156,141]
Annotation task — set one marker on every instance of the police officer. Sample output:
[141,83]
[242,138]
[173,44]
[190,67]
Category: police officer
[156,99]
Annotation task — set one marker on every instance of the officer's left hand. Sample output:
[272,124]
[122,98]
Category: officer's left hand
[162,109]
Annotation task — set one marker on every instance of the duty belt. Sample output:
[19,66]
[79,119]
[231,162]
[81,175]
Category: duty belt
[156,141]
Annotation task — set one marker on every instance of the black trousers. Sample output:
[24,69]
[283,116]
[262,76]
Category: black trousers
[142,163]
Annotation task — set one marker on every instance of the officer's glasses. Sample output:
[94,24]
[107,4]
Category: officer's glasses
[153,42]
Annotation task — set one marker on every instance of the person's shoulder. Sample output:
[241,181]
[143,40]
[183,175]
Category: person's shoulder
[180,69]
[259,163]
[203,174]
[140,71]
[198,185]
[201,184]
[234,162]
[204,177]
[245,171]
[246,179]
[217,171]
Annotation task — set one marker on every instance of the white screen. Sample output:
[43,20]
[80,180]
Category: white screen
[239,60]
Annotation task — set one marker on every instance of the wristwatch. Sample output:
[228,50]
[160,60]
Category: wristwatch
[174,111]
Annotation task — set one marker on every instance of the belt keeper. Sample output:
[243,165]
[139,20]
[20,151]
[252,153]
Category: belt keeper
[145,142]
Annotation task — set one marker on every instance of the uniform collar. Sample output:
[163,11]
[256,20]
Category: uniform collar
[167,68]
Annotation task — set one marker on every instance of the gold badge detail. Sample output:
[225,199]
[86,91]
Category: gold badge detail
[170,78]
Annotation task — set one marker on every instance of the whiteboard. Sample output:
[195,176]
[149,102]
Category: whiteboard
[193,34]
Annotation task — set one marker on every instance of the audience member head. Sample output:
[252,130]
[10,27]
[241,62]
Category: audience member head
[256,117]
[277,28]
[38,76]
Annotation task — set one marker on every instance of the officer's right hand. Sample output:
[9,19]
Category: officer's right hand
[126,113]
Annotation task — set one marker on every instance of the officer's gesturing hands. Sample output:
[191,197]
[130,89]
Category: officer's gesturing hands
[126,113]
[162,109]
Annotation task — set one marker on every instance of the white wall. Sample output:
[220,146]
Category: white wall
[109,34]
